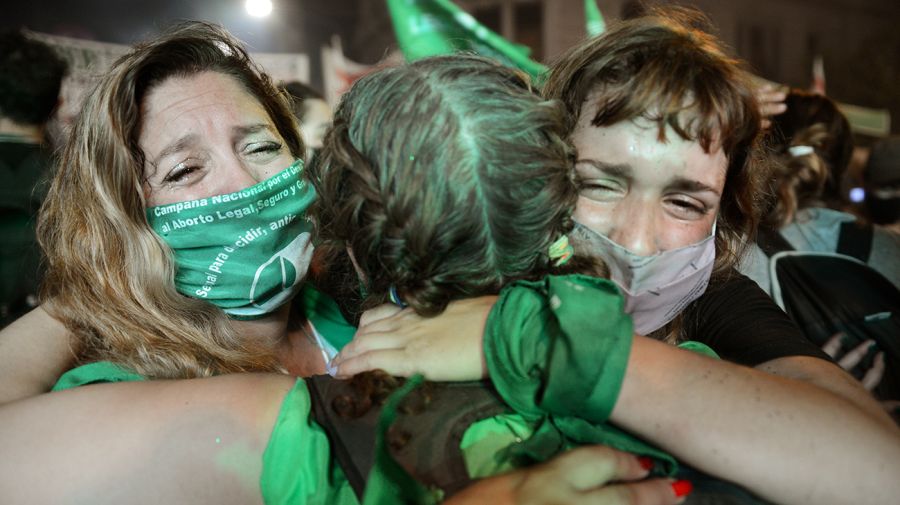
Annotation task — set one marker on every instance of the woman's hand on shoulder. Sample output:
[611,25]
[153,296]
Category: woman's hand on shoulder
[447,347]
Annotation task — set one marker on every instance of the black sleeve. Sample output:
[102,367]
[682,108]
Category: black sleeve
[742,324]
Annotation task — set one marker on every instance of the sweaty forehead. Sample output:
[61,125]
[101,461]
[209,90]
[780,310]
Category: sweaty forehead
[185,94]
[196,104]
[635,145]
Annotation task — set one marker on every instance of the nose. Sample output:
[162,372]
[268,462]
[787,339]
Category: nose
[634,228]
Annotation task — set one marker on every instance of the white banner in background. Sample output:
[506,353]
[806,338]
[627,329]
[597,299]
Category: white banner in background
[339,73]
[88,60]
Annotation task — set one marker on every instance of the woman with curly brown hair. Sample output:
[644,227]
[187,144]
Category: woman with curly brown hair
[672,185]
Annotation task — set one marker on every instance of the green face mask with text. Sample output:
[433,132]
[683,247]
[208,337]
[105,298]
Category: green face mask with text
[246,252]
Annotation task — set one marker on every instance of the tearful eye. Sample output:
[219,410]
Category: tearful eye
[600,189]
[262,148]
[687,209]
[180,172]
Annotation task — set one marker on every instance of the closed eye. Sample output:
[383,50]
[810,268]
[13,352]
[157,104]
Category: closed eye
[180,172]
[257,148]
[601,189]
[687,208]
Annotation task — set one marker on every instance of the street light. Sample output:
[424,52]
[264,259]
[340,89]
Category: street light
[258,8]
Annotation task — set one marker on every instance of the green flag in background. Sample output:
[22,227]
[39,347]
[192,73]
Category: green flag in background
[595,23]
[432,27]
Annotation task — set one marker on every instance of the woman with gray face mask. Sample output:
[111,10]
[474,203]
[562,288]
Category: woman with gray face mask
[666,128]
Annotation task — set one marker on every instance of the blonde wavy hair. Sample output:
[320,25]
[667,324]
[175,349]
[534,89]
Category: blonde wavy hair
[110,278]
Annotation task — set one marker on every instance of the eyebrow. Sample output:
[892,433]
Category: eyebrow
[692,186]
[253,128]
[624,170]
[177,146]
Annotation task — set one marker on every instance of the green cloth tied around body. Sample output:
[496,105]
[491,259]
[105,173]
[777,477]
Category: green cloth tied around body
[246,252]
[557,350]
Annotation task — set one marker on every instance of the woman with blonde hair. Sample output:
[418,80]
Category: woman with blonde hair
[111,264]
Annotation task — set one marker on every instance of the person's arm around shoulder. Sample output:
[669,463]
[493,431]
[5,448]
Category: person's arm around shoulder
[195,441]
[34,352]
[782,438]
[788,441]
[744,325]
[829,377]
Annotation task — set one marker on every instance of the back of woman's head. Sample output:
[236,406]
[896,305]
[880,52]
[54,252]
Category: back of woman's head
[109,276]
[448,177]
[812,144]
[663,68]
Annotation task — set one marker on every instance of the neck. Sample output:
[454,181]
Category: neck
[273,327]
[300,354]
[30,133]
[297,353]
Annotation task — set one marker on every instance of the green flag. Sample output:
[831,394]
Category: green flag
[593,18]
[432,27]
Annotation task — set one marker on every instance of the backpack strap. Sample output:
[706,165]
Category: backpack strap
[771,241]
[432,454]
[352,441]
[855,239]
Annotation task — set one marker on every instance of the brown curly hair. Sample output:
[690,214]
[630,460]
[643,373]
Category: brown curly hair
[447,178]
[661,68]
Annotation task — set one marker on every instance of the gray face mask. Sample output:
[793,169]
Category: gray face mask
[656,288]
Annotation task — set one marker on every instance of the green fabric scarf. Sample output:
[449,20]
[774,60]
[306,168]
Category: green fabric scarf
[246,252]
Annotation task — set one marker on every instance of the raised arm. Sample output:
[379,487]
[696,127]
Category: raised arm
[34,352]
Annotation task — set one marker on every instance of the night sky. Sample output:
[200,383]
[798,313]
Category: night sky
[295,26]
